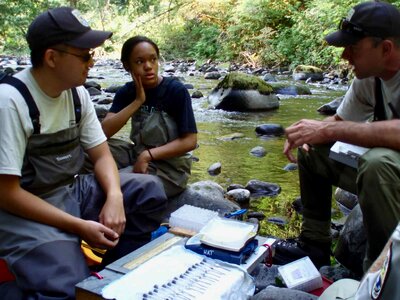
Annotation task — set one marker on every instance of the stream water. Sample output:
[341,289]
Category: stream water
[238,165]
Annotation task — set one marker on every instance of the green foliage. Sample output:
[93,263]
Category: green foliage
[252,27]
[15,19]
[303,43]
[280,205]
[256,32]
[195,39]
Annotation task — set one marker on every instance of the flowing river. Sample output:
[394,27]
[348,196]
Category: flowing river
[238,165]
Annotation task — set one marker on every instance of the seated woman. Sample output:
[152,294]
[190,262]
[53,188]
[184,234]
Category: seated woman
[163,126]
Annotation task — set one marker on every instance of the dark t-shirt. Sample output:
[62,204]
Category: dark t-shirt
[175,101]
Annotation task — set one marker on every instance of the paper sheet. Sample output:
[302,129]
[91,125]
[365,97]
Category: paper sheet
[347,153]
[224,282]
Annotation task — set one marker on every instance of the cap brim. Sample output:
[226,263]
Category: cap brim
[90,39]
[342,38]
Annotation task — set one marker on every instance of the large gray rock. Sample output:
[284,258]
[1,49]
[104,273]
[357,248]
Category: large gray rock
[331,107]
[258,151]
[240,196]
[264,276]
[337,272]
[275,293]
[345,200]
[304,72]
[243,92]
[242,101]
[215,169]
[350,248]
[260,188]
[292,90]
[205,194]
[270,129]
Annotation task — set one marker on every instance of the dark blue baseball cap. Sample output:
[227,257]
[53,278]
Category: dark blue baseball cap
[63,25]
[372,18]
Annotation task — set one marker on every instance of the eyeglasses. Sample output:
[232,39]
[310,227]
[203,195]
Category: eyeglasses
[85,57]
[346,25]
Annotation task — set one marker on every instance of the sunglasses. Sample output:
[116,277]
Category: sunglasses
[352,28]
[84,57]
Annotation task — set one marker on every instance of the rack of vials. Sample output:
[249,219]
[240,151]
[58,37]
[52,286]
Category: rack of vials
[180,274]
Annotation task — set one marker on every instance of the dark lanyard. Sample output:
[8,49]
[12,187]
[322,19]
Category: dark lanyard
[379,109]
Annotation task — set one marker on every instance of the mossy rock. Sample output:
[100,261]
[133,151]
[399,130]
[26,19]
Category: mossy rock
[242,92]
[241,81]
[307,69]
[303,72]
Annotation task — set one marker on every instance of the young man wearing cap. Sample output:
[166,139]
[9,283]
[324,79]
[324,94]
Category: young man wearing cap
[370,35]
[45,207]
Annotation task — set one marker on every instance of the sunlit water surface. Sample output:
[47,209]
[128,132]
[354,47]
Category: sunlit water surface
[238,165]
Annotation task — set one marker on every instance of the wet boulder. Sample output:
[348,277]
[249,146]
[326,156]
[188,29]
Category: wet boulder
[278,220]
[234,186]
[331,107]
[268,77]
[93,84]
[197,94]
[113,88]
[205,194]
[270,129]
[215,169]
[290,167]
[93,91]
[256,215]
[240,196]
[242,92]
[276,293]
[258,151]
[290,89]
[345,200]
[260,188]
[351,246]
[264,276]
[212,75]
[304,72]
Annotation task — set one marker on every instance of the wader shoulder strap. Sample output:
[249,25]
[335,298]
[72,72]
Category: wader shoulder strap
[77,105]
[33,110]
[379,109]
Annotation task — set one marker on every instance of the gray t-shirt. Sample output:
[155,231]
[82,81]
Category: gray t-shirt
[55,114]
[359,101]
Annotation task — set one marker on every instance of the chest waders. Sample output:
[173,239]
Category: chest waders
[50,163]
[151,130]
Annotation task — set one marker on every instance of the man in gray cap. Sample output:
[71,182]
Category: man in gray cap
[368,117]
[46,208]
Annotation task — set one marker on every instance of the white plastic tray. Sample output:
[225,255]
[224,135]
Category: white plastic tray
[227,234]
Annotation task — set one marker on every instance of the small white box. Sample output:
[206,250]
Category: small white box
[301,275]
[191,217]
